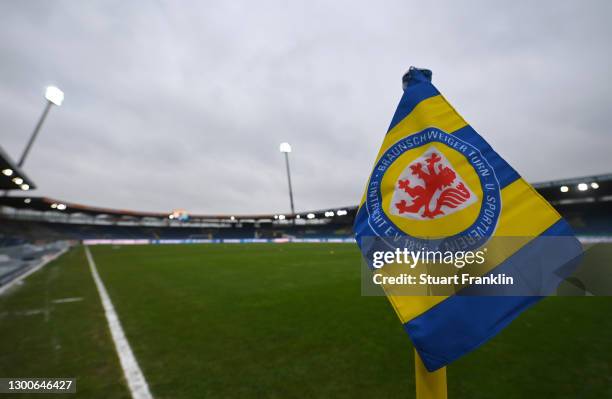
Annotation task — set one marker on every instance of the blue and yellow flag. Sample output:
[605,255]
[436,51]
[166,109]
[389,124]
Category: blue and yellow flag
[435,180]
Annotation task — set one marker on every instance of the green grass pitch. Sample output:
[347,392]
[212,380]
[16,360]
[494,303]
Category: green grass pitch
[275,321]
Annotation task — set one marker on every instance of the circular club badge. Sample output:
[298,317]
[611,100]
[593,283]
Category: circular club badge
[432,188]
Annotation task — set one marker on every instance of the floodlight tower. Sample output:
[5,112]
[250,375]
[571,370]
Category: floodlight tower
[286,149]
[54,96]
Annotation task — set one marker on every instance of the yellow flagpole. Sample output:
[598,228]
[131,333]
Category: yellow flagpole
[429,385]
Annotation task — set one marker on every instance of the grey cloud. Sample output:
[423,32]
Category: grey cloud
[183,104]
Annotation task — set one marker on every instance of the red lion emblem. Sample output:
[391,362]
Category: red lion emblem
[434,179]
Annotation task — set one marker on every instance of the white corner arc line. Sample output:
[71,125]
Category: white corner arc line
[135,379]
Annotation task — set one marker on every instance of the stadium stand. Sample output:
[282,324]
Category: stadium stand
[20,258]
[585,202]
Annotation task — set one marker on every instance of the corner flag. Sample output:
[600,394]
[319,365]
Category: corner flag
[438,183]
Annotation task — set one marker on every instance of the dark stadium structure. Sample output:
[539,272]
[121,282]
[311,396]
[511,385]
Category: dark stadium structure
[11,175]
[585,202]
[41,218]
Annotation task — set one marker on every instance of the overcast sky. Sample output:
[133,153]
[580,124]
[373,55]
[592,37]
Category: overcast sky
[182,104]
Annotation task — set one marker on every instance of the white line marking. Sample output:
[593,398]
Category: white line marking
[66,300]
[30,312]
[135,379]
[19,280]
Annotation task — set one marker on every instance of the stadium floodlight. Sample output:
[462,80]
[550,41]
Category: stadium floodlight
[310,216]
[583,187]
[54,95]
[595,185]
[17,180]
[285,147]
[564,189]
[53,205]
[7,172]
[329,214]
[27,200]
[61,207]
[25,187]
[232,218]
[281,217]
[297,216]
[341,212]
